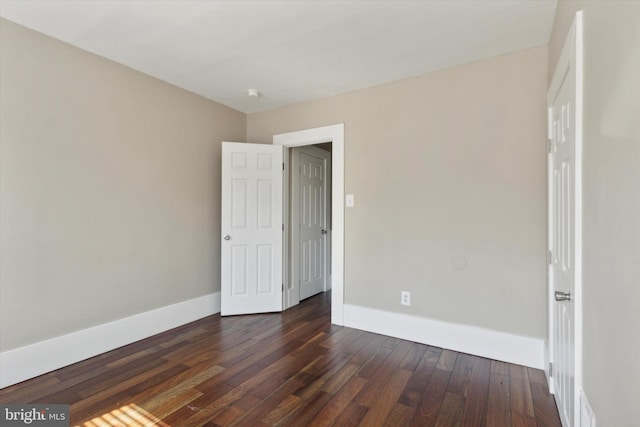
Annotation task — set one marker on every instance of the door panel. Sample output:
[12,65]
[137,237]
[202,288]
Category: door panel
[239,268]
[563,242]
[310,226]
[562,274]
[251,252]
[312,222]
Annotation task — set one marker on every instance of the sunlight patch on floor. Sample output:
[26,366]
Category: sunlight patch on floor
[127,416]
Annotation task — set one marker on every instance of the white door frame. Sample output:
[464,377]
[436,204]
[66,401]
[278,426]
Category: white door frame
[335,135]
[571,56]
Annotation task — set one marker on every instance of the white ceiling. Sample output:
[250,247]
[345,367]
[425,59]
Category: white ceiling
[291,51]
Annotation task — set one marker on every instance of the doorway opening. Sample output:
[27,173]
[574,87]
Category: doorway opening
[333,135]
[309,257]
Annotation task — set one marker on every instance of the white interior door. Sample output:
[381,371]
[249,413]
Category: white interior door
[564,223]
[563,255]
[251,252]
[310,201]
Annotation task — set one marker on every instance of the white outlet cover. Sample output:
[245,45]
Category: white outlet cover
[405,298]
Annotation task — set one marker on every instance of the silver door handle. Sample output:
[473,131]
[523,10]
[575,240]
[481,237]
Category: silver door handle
[324,231]
[227,237]
[563,296]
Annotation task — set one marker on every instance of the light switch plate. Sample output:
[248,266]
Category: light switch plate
[350,201]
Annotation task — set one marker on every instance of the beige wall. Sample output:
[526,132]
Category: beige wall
[109,179]
[443,165]
[611,203]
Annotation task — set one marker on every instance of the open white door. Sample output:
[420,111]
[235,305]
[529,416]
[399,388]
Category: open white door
[565,204]
[251,252]
[310,221]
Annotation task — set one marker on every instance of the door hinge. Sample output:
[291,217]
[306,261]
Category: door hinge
[282,227]
[283,166]
[549,146]
[283,287]
[549,257]
[550,369]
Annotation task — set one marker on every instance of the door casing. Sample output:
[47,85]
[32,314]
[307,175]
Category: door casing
[335,135]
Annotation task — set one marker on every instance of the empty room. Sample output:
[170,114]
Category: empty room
[320,213]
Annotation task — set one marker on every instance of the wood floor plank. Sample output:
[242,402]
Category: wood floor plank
[383,375]
[432,398]
[499,367]
[347,371]
[32,389]
[282,396]
[400,416]
[157,400]
[302,416]
[419,380]
[352,415]
[339,402]
[290,368]
[209,411]
[248,362]
[475,405]
[537,376]
[286,372]
[322,370]
[386,399]
[461,375]
[522,410]
[96,364]
[340,339]
[411,361]
[325,370]
[450,414]
[368,351]
[275,398]
[203,402]
[172,402]
[521,399]
[499,408]
[249,384]
[546,412]
[234,412]
[123,391]
[447,360]
[373,364]
[280,414]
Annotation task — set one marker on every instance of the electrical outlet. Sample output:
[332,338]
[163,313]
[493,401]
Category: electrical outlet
[405,297]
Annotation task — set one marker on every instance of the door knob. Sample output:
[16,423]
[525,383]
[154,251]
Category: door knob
[563,296]
[324,231]
[227,237]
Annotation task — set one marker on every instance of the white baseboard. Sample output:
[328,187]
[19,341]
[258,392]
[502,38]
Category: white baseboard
[478,341]
[36,359]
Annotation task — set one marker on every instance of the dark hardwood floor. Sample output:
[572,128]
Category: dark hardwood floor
[291,368]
